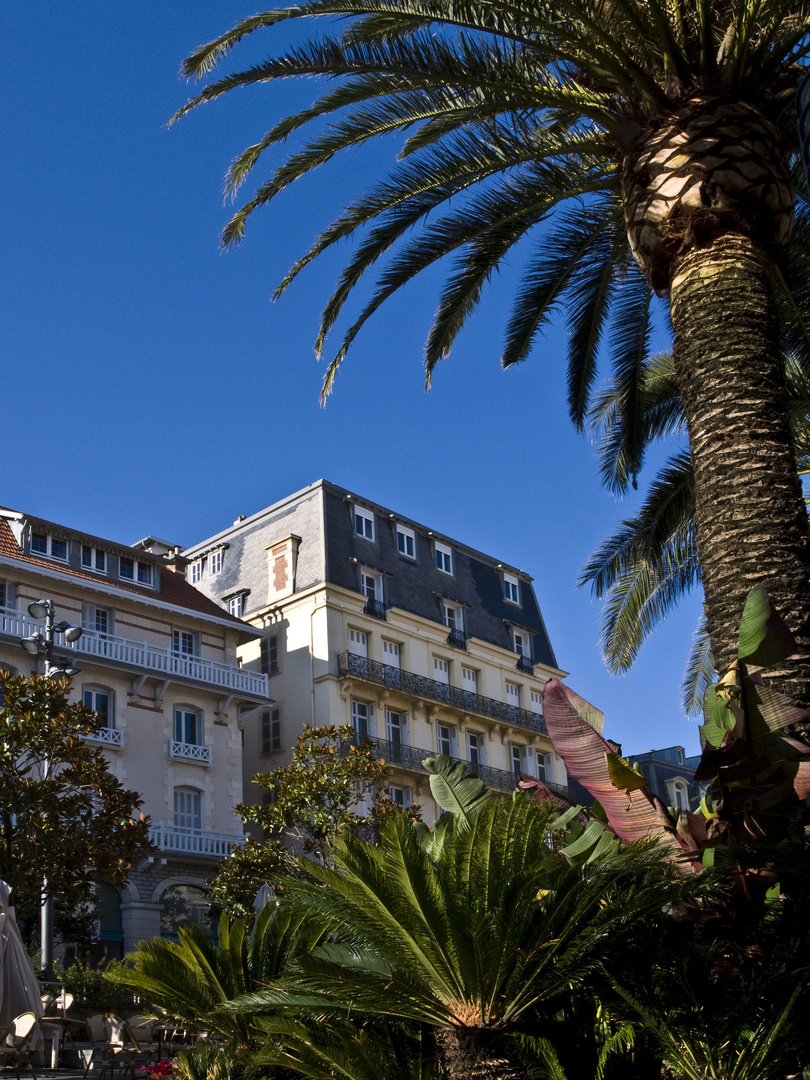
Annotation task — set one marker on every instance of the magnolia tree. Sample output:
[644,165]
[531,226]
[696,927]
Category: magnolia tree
[63,816]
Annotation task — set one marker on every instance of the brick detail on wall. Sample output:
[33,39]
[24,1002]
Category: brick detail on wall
[282,557]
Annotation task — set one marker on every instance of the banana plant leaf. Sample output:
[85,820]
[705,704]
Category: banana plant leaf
[632,815]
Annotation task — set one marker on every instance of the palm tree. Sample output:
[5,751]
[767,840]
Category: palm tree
[643,569]
[472,930]
[664,129]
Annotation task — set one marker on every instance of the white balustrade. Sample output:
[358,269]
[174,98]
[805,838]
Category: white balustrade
[167,837]
[108,736]
[141,654]
[190,751]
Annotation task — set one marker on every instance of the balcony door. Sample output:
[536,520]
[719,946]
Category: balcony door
[391,659]
[358,643]
[396,732]
[187,809]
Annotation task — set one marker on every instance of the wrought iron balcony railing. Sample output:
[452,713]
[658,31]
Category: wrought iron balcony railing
[375,608]
[141,654]
[525,664]
[172,838]
[411,757]
[457,639]
[360,667]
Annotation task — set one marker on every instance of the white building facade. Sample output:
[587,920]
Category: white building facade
[158,664]
[367,617]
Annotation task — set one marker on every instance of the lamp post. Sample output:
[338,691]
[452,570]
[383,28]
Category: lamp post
[56,667]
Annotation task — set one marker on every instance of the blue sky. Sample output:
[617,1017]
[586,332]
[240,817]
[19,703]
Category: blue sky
[151,387]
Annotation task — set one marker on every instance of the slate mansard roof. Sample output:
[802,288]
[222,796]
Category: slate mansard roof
[322,515]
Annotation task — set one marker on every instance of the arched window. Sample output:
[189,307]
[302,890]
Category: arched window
[184,905]
[678,791]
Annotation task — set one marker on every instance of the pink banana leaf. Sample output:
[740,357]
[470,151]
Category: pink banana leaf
[636,816]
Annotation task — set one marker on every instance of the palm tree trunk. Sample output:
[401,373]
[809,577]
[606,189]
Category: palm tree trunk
[469,1054]
[751,519]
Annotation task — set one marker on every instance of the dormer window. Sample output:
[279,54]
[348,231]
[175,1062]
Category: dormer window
[522,643]
[133,570]
[53,547]
[444,558]
[406,541]
[94,559]
[364,523]
[511,591]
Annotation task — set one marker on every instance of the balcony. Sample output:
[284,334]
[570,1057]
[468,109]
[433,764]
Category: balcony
[190,751]
[375,608]
[525,664]
[148,658]
[172,839]
[411,757]
[107,737]
[457,639]
[360,667]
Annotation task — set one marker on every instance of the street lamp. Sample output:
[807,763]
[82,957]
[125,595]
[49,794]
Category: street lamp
[56,667]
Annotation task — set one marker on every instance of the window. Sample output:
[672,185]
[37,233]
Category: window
[215,562]
[271,731]
[6,594]
[513,695]
[678,793]
[522,643]
[476,749]
[188,726]
[132,570]
[536,703]
[98,619]
[441,670]
[406,541]
[469,680]
[510,589]
[185,642]
[358,643]
[94,559]
[545,767]
[390,653]
[453,616]
[236,605]
[396,732]
[444,558]
[371,584]
[364,523]
[269,651]
[524,760]
[187,809]
[402,796]
[447,740]
[364,719]
[196,571]
[100,702]
[52,546]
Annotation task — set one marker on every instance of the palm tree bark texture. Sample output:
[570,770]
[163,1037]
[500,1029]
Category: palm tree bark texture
[752,523]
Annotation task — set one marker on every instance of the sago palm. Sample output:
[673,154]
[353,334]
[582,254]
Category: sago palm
[595,128]
[473,931]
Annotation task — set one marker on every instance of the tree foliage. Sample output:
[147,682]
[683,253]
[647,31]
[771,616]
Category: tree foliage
[64,817]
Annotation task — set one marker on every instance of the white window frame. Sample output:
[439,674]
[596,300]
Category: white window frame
[236,605]
[94,692]
[364,524]
[536,702]
[143,573]
[215,562]
[470,685]
[524,759]
[511,589]
[7,594]
[101,626]
[196,571]
[364,716]
[522,643]
[447,740]
[444,558]
[369,574]
[179,633]
[181,717]
[361,639]
[477,740]
[453,616]
[93,558]
[406,538]
[402,726]
[678,792]
[513,695]
[49,542]
[183,815]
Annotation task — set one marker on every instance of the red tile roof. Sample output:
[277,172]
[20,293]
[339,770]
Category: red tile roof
[174,589]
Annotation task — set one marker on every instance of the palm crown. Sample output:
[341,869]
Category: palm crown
[646,144]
